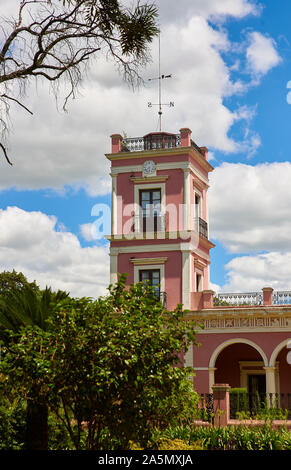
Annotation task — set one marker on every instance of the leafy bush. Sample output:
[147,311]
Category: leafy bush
[241,438]
[12,424]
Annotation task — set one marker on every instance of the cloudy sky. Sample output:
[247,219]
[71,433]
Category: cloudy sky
[230,62]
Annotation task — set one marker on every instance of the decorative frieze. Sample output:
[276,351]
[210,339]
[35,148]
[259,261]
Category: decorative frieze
[251,323]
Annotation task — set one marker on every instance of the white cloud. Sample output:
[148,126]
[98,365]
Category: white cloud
[30,243]
[252,273]
[88,232]
[54,150]
[219,10]
[250,214]
[261,54]
[250,206]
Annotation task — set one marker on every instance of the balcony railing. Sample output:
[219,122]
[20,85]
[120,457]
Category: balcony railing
[154,141]
[201,227]
[282,297]
[252,298]
[156,223]
[163,299]
[246,298]
[151,142]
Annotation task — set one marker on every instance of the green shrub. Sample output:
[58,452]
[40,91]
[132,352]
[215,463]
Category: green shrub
[12,424]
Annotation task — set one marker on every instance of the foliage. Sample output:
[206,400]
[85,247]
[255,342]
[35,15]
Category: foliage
[28,306]
[12,424]
[11,281]
[241,438]
[107,368]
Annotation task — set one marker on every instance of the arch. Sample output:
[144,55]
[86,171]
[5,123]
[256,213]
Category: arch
[224,345]
[277,350]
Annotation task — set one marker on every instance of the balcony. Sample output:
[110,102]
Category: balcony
[156,223]
[155,141]
[252,298]
[201,227]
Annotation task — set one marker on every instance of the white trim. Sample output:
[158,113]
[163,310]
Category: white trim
[137,208]
[114,205]
[143,261]
[162,166]
[161,267]
[186,278]
[187,200]
[188,357]
[165,247]
[231,341]
[113,267]
[277,350]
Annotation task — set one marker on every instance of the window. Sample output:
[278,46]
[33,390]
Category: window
[199,287]
[150,203]
[152,278]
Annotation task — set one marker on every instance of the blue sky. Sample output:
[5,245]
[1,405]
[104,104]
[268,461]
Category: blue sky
[231,62]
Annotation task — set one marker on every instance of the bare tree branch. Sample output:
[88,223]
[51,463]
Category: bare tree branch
[5,153]
[56,40]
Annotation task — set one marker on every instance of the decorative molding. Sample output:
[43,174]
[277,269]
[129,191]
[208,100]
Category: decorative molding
[250,323]
[145,261]
[149,179]
[162,152]
[204,183]
[158,248]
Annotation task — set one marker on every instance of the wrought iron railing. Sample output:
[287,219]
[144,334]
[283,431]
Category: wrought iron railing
[163,299]
[151,142]
[201,227]
[154,141]
[205,410]
[261,406]
[196,147]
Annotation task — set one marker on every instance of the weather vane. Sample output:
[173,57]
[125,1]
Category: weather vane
[160,78]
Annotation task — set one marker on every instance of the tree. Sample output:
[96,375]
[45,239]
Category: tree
[108,368]
[29,307]
[11,281]
[55,40]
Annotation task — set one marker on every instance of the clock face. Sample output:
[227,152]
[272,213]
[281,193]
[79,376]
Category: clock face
[149,167]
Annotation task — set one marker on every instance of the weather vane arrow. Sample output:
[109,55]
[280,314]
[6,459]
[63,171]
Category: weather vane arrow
[160,78]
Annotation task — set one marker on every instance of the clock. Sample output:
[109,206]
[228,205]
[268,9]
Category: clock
[149,168]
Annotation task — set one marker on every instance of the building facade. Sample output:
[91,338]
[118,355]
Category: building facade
[160,235]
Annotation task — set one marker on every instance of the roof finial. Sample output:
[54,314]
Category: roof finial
[160,78]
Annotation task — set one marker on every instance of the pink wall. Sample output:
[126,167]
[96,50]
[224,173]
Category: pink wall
[173,264]
[227,360]
[284,371]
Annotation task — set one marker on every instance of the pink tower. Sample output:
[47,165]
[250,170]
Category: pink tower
[160,230]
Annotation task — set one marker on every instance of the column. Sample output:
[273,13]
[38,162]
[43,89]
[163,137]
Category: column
[116,143]
[268,296]
[188,358]
[270,381]
[186,277]
[113,265]
[187,199]
[185,135]
[114,205]
[221,404]
[211,378]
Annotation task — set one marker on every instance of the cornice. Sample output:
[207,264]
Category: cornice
[161,152]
